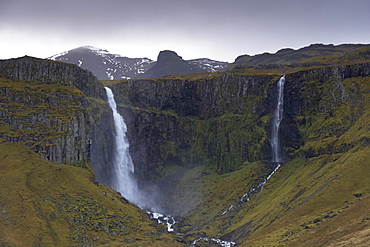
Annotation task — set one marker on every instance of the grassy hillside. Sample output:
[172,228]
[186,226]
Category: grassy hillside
[316,201]
[47,204]
[319,198]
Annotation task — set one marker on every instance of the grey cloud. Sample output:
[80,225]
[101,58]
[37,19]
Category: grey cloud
[221,29]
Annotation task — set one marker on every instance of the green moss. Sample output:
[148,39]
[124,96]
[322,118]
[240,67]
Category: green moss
[333,109]
[40,114]
[226,142]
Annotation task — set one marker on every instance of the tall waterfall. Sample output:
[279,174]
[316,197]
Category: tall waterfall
[278,116]
[124,180]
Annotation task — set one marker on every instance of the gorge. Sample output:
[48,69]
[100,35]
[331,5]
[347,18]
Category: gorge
[201,142]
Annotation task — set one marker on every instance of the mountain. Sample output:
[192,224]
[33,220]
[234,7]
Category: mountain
[104,65]
[107,66]
[311,55]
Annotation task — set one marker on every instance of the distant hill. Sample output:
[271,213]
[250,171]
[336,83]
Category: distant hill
[107,66]
[310,55]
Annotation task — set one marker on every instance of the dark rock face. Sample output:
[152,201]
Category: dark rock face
[156,139]
[204,99]
[102,145]
[31,69]
[184,122]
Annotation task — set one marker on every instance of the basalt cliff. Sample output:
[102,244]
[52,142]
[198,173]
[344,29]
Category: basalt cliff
[203,140]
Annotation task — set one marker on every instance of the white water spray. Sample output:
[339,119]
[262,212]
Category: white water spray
[124,181]
[275,142]
[219,242]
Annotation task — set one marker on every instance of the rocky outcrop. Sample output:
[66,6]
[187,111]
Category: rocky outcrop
[32,70]
[45,105]
[169,63]
[323,104]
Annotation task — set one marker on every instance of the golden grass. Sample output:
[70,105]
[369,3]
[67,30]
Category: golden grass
[46,204]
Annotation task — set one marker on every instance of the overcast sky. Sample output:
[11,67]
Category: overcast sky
[216,29]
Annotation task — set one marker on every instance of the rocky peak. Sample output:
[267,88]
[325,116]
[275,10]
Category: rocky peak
[167,56]
[170,63]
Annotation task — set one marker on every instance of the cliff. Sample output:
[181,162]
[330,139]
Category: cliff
[55,108]
[223,120]
[54,127]
[220,121]
[42,71]
[59,110]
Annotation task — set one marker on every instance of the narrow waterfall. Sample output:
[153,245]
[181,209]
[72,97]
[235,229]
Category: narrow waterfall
[124,180]
[278,116]
[277,157]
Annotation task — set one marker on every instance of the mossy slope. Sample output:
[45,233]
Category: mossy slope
[321,196]
[46,204]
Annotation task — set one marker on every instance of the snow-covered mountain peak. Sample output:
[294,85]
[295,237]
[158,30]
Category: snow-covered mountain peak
[99,51]
[108,66]
[105,65]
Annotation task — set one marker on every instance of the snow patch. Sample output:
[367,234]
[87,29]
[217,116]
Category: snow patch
[58,55]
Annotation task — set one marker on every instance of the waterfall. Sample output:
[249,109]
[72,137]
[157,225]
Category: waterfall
[275,146]
[278,116]
[123,180]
